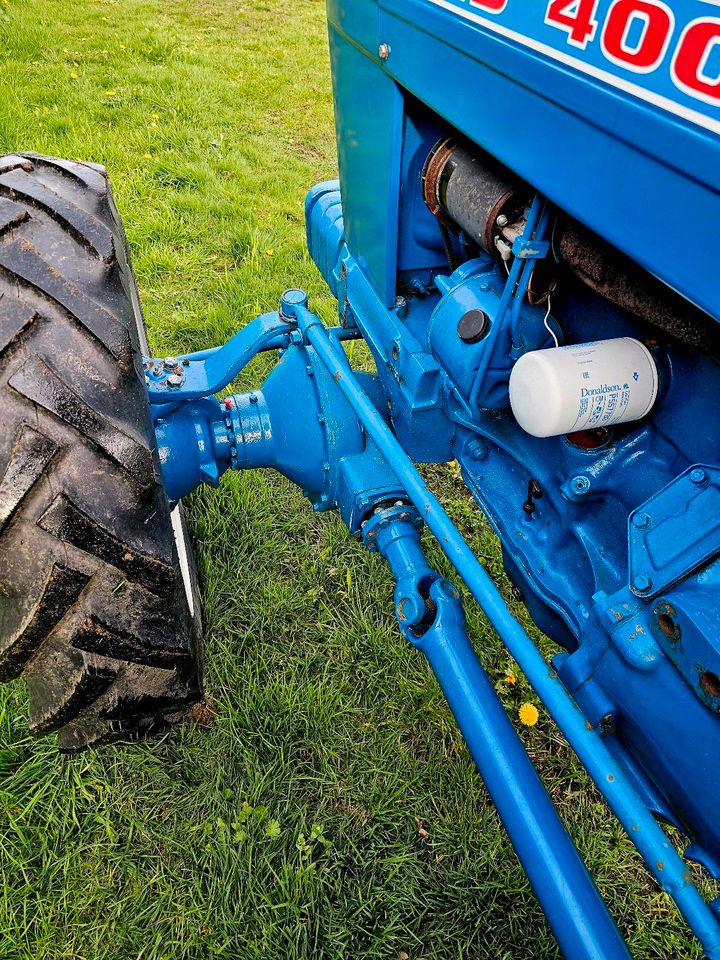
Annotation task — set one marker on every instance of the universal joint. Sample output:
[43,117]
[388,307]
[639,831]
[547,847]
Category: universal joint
[425,602]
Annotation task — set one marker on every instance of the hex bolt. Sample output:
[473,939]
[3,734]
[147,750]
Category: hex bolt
[580,486]
[697,476]
[502,220]
[641,584]
[384,51]
[641,521]
[175,381]
[401,307]
[253,398]
[170,363]
[477,449]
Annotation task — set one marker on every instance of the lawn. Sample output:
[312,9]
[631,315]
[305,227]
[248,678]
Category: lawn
[328,809]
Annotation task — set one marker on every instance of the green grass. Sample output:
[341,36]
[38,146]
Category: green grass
[330,810]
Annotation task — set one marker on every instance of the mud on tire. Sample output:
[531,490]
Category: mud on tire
[94,610]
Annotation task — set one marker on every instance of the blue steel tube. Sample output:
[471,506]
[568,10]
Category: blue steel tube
[570,900]
[661,858]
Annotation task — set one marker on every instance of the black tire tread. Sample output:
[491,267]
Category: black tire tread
[93,611]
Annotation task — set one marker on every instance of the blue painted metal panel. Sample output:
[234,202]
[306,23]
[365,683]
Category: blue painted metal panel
[369,116]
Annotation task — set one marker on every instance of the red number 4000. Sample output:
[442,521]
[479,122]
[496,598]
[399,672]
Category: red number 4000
[636,35]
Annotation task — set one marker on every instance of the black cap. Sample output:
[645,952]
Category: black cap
[473,326]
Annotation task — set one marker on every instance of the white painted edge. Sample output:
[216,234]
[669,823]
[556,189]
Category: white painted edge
[183,558]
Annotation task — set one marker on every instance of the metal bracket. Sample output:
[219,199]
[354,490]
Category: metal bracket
[525,249]
[190,378]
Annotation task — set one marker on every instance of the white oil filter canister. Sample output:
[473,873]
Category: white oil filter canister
[583,387]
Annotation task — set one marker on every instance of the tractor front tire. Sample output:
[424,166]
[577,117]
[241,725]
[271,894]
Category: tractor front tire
[96,611]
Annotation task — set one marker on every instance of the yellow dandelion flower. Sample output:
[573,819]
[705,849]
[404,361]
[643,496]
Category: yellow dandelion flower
[148,156]
[528,714]
[511,678]
[111,93]
[73,76]
[269,252]
[155,116]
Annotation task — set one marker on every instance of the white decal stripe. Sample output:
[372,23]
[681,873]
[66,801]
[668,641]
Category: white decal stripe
[694,116]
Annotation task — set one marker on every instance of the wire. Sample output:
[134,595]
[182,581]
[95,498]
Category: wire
[547,325]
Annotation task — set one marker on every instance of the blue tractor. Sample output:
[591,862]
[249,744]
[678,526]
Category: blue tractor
[524,235]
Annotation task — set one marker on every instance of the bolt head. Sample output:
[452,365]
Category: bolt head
[580,486]
[175,381]
[641,584]
[384,51]
[641,521]
[697,476]
[170,363]
[477,449]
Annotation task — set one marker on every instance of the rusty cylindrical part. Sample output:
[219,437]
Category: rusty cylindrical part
[472,191]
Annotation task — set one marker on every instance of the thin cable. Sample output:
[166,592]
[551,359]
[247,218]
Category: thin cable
[547,325]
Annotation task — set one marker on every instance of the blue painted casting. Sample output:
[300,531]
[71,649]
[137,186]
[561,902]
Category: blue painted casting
[606,123]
